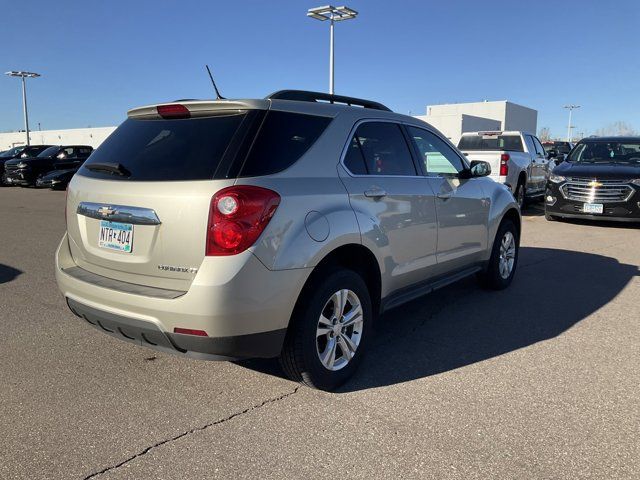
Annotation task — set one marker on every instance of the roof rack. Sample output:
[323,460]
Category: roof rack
[306,96]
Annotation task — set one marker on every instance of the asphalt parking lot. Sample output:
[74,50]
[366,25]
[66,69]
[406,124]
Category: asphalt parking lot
[539,381]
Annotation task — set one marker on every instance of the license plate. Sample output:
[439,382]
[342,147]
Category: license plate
[592,208]
[116,236]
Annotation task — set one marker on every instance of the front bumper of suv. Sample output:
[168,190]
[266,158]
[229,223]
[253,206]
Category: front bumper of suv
[558,205]
[245,315]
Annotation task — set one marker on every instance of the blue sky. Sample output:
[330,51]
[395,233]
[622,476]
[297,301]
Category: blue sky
[99,59]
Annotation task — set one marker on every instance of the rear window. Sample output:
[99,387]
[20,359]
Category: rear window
[512,143]
[206,148]
[157,150]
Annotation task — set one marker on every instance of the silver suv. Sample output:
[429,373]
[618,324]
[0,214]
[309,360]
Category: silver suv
[279,227]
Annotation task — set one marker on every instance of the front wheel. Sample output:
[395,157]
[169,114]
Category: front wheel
[504,258]
[329,331]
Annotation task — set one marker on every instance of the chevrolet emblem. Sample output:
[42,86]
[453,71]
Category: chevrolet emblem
[594,183]
[106,211]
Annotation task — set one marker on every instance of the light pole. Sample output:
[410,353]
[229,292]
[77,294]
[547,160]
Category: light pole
[24,75]
[333,14]
[571,108]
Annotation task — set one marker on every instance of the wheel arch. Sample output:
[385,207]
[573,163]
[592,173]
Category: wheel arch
[351,256]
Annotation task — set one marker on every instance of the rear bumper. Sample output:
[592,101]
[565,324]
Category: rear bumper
[245,313]
[148,334]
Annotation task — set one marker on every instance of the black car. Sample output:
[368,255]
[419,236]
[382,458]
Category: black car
[56,179]
[25,171]
[600,179]
[557,149]
[22,151]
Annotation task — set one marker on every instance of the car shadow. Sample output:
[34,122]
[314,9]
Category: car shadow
[463,324]
[8,273]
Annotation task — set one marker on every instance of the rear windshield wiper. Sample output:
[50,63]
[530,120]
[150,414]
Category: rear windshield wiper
[112,168]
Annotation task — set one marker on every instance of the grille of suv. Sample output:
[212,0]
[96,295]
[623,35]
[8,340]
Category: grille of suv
[600,191]
[8,167]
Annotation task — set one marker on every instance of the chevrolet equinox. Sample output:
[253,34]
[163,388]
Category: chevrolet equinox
[278,227]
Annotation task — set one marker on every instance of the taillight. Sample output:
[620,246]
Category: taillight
[237,217]
[173,111]
[504,168]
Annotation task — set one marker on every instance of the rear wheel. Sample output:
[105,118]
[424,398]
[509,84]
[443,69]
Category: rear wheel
[504,258]
[329,331]
[520,193]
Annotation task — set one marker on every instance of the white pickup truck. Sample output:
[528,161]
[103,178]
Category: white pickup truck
[517,159]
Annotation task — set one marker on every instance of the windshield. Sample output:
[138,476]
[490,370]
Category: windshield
[11,153]
[512,143]
[607,152]
[49,152]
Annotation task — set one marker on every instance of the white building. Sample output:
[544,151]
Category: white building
[73,136]
[454,119]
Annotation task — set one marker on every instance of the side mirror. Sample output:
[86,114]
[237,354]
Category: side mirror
[552,154]
[478,168]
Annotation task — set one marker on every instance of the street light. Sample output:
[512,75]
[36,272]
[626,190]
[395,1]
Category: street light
[24,75]
[571,108]
[333,14]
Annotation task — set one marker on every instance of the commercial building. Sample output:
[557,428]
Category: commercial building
[73,136]
[454,119]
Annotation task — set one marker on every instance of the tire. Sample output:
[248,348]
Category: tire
[520,194]
[549,217]
[304,345]
[494,276]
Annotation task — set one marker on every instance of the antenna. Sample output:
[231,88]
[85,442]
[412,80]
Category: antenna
[218,96]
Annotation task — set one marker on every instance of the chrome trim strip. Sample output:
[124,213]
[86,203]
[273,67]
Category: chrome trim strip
[118,213]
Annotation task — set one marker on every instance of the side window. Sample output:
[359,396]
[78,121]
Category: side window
[438,157]
[384,149]
[353,160]
[528,139]
[539,148]
[284,137]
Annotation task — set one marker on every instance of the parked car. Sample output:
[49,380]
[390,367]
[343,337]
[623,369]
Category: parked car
[557,151]
[278,227]
[22,151]
[56,179]
[600,180]
[517,159]
[25,171]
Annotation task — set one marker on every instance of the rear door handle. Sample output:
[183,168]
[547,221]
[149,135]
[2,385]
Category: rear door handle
[444,196]
[375,193]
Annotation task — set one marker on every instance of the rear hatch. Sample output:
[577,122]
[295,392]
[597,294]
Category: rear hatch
[137,210]
[490,147]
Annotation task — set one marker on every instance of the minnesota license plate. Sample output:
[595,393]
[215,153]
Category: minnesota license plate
[116,236]
[592,208]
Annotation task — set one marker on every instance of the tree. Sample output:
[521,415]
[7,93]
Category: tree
[617,128]
[544,134]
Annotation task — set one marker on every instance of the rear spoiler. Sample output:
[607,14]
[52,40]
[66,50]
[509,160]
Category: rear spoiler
[200,108]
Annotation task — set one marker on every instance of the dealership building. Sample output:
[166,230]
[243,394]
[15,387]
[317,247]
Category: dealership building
[454,119]
[73,136]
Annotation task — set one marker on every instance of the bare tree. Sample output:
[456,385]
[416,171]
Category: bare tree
[544,134]
[617,128]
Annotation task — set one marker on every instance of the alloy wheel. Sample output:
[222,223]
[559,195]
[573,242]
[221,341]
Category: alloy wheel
[507,257]
[339,329]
